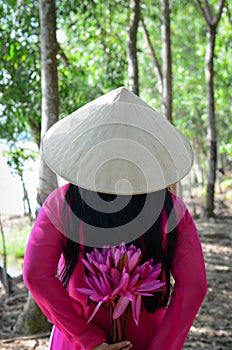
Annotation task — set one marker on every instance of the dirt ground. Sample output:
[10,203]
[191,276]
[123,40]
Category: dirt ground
[212,328]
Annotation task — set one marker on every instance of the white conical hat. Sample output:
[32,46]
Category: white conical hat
[117,144]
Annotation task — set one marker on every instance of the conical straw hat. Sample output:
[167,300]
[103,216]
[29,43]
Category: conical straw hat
[117,144]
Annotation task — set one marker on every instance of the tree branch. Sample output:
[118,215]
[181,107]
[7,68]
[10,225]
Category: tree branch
[204,12]
[63,57]
[229,13]
[154,58]
[27,337]
[207,13]
[208,10]
[219,14]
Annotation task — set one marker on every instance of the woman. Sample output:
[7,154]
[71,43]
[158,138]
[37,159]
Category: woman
[119,157]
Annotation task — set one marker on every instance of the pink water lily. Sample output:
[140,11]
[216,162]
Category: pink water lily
[115,277]
[143,281]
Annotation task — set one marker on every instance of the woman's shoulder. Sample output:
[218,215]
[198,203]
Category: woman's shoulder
[54,203]
[57,194]
[53,207]
[182,214]
[178,202]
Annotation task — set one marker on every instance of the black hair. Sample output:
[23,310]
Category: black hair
[150,242]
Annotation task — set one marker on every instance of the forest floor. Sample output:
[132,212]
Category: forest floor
[212,328]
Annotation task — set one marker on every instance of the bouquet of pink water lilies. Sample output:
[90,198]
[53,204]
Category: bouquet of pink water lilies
[114,277]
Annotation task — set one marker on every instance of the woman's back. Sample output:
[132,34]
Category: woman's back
[69,310]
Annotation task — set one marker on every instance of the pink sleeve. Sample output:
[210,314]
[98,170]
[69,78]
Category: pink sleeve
[40,275]
[188,270]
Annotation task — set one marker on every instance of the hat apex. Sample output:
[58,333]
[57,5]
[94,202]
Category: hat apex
[120,95]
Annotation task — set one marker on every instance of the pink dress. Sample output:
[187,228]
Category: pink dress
[166,329]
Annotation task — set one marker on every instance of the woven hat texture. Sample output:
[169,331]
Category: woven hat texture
[117,144]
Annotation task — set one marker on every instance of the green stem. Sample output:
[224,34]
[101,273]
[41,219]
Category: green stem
[118,325]
[126,323]
[119,328]
[113,327]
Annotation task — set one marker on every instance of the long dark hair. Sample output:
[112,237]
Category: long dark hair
[150,242]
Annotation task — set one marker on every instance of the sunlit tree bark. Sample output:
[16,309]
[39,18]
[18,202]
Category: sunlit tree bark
[163,69]
[32,320]
[166,60]
[212,24]
[156,65]
[133,73]
[50,99]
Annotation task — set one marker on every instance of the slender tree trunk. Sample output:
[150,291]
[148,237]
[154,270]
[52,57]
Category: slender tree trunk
[199,173]
[212,132]
[221,172]
[166,60]
[167,91]
[26,200]
[163,71]
[155,61]
[50,98]
[5,279]
[212,23]
[32,320]
[132,46]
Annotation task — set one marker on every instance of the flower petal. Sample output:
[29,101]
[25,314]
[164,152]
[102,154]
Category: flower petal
[129,295]
[97,265]
[105,288]
[154,274]
[99,286]
[95,311]
[85,291]
[157,266]
[123,284]
[107,283]
[144,294]
[90,257]
[120,307]
[96,297]
[89,267]
[136,307]
[116,257]
[104,268]
[116,276]
[150,286]
[134,261]
[91,283]
[133,280]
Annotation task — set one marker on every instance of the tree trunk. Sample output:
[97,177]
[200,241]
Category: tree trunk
[5,278]
[198,167]
[166,60]
[221,172]
[132,47]
[32,320]
[212,24]
[212,132]
[163,71]
[156,65]
[50,98]
[26,200]
[167,94]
